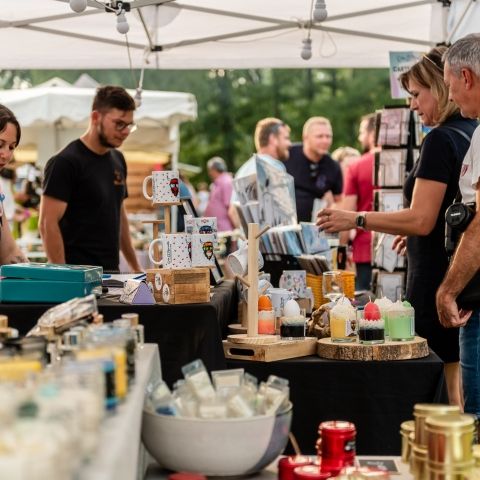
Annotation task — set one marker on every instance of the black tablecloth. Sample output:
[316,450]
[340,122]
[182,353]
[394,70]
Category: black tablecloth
[376,396]
[182,332]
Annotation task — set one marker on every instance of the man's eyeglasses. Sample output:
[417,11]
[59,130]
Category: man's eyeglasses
[121,126]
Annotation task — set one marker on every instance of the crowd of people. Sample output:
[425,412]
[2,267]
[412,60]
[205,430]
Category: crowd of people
[83,218]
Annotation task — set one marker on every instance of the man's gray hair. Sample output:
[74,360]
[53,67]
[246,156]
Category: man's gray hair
[218,164]
[464,53]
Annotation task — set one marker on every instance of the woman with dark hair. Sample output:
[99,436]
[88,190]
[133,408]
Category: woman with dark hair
[429,189]
[10,133]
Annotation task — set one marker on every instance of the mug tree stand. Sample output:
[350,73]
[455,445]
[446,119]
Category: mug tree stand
[252,346]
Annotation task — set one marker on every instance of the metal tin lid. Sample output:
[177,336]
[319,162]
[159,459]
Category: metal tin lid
[419,452]
[426,409]
[310,472]
[337,425]
[450,422]
[407,426]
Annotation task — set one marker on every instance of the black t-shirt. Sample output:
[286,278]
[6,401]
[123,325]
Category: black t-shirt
[94,187]
[441,158]
[312,180]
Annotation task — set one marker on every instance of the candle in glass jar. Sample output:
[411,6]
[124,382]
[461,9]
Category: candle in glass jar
[310,472]
[287,465]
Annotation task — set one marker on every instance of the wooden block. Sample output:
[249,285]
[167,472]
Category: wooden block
[190,285]
[280,350]
[417,348]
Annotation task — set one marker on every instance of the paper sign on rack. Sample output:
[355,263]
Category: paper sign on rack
[136,292]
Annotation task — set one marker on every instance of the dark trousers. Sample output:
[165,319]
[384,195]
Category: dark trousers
[363,280]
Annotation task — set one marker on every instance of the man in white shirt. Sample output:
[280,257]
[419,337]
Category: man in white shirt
[272,141]
[462,76]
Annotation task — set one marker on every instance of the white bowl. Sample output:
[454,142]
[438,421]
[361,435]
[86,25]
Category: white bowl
[223,447]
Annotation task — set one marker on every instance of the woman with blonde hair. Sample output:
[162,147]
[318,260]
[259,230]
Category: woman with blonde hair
[344,156]
[430,188]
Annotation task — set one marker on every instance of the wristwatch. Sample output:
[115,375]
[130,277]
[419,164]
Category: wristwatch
[360,220]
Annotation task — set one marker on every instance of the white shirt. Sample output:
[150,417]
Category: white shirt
[250,167]
[470,172]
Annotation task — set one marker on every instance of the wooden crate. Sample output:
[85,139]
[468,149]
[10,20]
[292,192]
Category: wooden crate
[190,285]
[271,352]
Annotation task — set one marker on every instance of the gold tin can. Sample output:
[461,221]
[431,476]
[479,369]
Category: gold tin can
[418,462]
[463,473]
[407,428]
[423,410]
[450,440]
[476,455]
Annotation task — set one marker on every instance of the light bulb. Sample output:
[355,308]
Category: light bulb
[122,24]
[320,11]
[78,5]
[138,97]
[306,52]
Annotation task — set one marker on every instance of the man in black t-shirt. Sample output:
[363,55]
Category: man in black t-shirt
[82,216]
[314,171]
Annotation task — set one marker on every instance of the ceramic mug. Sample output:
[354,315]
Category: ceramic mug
[202,225]
[176,250]
[203,246]
[238,261]
[165,186]
[279,297]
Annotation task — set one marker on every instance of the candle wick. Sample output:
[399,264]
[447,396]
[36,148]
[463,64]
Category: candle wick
[294,443]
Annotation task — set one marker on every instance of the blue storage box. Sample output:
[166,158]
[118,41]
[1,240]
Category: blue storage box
[47,283]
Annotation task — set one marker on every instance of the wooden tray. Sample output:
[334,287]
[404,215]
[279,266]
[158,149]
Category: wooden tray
[280,350]
[416,348]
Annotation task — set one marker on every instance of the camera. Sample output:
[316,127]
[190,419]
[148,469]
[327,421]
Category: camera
[457,218]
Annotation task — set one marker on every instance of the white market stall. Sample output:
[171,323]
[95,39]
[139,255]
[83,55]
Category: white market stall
[52,116]
[191,34]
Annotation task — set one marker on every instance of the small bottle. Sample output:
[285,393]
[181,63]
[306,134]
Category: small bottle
[137,327]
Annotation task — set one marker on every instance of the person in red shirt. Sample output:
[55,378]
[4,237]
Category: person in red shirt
[358,196]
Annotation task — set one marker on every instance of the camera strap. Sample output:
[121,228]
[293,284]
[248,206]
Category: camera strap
[468,138]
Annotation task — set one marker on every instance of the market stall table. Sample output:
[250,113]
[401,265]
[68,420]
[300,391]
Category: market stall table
[155,472]
[376,396]
[120,453]
[182,332]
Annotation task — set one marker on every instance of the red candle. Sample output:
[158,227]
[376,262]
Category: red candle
[336,445]
[287,465]
[310,472]
[186,476]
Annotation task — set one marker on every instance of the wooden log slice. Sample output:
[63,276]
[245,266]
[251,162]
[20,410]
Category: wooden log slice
[416,348]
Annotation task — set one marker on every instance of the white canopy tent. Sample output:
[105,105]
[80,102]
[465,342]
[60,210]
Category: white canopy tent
[190,34]
[52,116]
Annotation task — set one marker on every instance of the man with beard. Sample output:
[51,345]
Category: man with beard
[82,216]
[272,141]
[358,196]
[314,170]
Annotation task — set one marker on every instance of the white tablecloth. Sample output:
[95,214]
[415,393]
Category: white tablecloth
[120,454]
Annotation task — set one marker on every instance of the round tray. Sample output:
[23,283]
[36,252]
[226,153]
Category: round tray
[416,348]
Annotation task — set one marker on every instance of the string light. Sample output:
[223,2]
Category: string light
[78,5]
[306,52]
[122,24]
[320,11]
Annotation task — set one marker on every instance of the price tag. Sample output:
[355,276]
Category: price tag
[390,465]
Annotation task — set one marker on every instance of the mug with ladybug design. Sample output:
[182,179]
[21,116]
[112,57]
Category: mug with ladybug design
[165,187]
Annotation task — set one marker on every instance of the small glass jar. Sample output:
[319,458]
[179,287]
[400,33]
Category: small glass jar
[370,332]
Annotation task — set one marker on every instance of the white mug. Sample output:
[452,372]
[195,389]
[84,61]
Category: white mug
[176,250]
[203,225]
[203,246]
[279,297]
[238,261]
[165,186]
